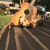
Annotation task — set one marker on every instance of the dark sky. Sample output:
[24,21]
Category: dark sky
[44,2]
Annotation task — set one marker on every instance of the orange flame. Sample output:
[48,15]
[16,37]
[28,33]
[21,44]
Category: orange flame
[17,15]
[20,14]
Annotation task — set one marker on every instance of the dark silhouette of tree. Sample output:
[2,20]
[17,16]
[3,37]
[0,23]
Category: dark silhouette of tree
[16,1]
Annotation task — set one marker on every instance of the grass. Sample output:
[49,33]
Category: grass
[4,19]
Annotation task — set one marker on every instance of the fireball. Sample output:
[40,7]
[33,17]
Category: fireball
[20,14]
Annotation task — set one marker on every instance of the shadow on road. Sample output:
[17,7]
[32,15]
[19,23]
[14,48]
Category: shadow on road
[11,45]
[3,39]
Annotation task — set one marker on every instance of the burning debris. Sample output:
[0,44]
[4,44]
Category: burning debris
[25,16]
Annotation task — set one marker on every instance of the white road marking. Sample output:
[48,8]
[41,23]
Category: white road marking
[7,41]
[43,32]
[20,33]
[36,39]
[1,32]
[3,29]
[28,43]
[18,45]
[45,29]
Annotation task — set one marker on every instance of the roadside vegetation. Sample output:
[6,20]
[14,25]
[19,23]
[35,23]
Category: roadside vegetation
[4,19]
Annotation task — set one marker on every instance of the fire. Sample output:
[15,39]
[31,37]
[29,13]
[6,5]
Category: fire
[20,16]
[34,17]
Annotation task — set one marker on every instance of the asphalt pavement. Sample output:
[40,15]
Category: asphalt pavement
[21,38]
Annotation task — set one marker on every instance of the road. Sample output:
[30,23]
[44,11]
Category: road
[17,38]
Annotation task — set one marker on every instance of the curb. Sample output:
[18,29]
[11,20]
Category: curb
[3,29]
